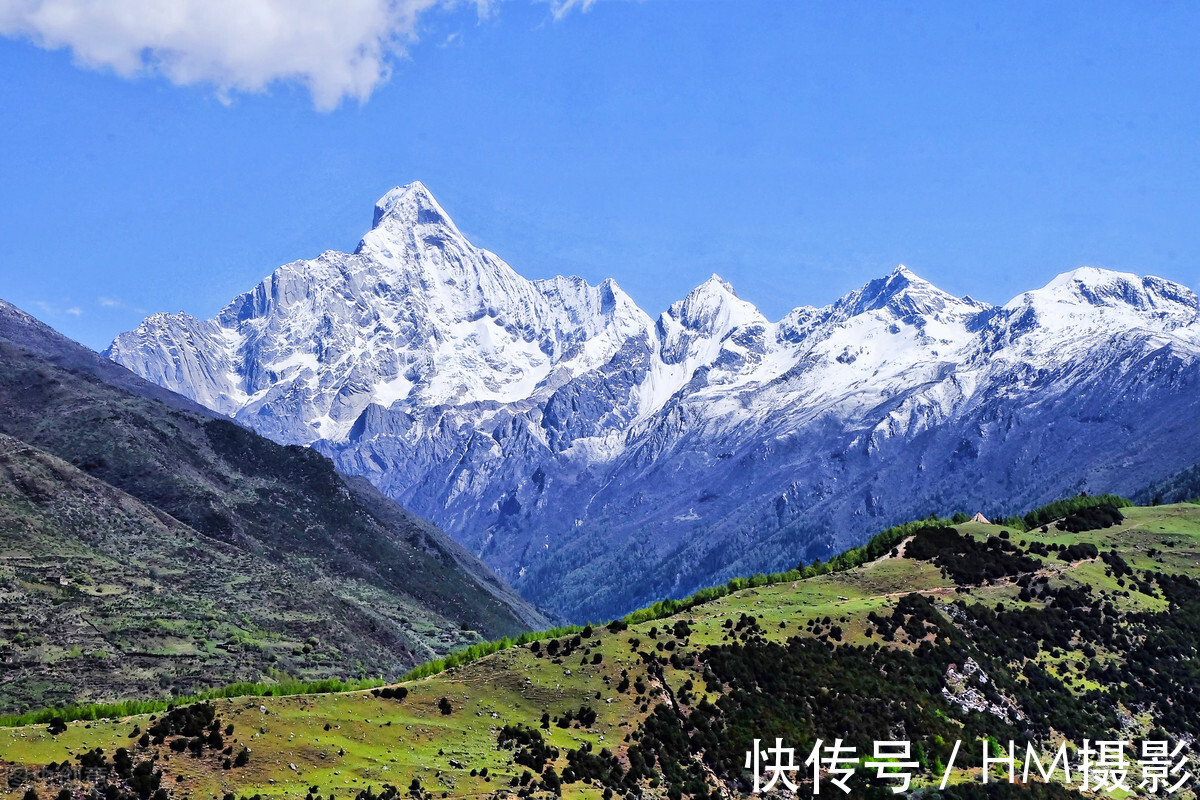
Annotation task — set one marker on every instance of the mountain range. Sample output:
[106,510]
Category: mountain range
[599,458]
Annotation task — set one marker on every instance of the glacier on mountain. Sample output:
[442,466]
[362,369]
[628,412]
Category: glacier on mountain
[599,458]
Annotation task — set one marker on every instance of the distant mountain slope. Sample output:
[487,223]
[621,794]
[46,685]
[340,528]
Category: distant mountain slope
[1182,487]
[600,459]
[188,527]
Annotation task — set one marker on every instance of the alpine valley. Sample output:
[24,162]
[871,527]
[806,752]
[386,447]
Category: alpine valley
[599,458]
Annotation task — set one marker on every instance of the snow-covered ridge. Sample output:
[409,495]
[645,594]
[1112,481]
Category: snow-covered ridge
[419,316]
[546,420]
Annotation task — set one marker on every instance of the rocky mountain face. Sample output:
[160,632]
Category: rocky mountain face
[599,458]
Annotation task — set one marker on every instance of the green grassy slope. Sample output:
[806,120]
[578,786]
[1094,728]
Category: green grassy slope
[1082,635]
[228,558]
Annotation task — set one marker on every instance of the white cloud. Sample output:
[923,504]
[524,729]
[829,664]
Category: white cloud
[338,49]
[55,310]
[560,8]
[109,302]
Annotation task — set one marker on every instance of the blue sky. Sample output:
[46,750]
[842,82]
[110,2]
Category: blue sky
[798,149]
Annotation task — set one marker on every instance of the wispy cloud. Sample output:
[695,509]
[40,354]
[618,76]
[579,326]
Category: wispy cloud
[338,49]
[560,8]
[54,310]
[110,302]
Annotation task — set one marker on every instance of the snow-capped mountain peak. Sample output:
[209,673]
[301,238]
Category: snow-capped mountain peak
[416,316]
[903,294]
[1103,287]
[1089,304]
[713,308]
[410,205]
